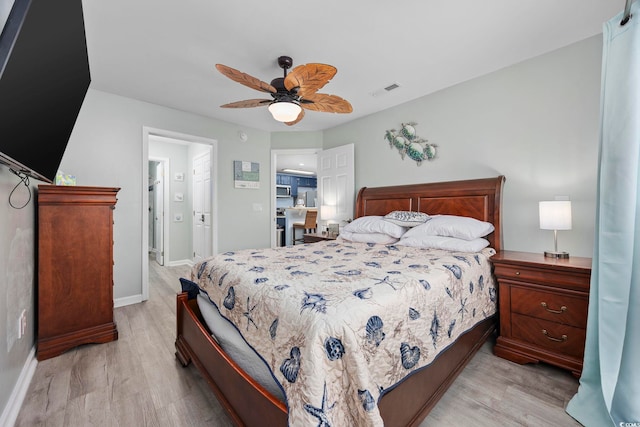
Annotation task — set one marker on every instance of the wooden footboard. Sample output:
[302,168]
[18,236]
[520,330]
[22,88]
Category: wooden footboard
[246,401]
[412,400]
[248,404]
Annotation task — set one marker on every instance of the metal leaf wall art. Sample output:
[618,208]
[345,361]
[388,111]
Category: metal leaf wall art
[409,144]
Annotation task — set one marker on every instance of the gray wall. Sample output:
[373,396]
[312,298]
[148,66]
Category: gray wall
[17,280]
[535,122]
[296,140]
[105,149]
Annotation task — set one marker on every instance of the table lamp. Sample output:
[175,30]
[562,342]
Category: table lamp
[555,215]
[327,213]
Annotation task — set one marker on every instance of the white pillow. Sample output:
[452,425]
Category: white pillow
[446,243]
[374,224]
[237,348]
[461,227]
[378,238]
[407,218]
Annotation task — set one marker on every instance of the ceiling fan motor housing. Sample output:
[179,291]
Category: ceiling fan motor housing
[285,62]
[282,93]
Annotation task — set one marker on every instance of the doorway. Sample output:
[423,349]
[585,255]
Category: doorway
[287,159]
[335,171]
[170,234]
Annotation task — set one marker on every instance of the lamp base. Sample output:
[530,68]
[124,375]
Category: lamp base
[561,255]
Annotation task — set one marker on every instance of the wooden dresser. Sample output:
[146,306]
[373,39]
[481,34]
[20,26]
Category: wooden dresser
[75,268]
[543,305]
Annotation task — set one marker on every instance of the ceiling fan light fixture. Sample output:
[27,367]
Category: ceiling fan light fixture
[284,111]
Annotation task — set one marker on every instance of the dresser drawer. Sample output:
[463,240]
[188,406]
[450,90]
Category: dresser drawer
[552,336]
[540,275]
[555,307]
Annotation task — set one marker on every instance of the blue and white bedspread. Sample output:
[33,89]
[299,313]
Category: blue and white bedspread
[341,323]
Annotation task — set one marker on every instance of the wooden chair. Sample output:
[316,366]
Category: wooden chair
[307,226]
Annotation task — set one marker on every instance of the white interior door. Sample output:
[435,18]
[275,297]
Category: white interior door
[202,233]
[336,182]
[158,211]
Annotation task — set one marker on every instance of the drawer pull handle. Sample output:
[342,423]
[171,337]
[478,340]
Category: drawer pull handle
[562,309]
[550,338]
[517,273]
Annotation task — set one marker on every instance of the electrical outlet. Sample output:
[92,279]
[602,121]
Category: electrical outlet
[22,323]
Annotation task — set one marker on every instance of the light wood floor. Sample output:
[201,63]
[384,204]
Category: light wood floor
[136,381]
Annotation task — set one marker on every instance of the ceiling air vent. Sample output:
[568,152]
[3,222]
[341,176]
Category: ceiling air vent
[385,90]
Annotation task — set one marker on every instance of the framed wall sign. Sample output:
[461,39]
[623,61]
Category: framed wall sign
[246,174]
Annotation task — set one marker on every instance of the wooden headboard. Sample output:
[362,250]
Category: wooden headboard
[475,198]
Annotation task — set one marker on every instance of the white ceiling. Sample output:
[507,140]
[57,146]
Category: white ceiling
[164,52]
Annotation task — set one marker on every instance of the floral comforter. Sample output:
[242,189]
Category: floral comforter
[341,323]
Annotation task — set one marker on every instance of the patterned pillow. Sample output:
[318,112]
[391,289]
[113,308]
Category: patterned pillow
[407,218]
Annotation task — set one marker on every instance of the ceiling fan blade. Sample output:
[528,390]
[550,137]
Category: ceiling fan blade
[309,78]
[245,79]
[300,116]
[326,103]
[248,103]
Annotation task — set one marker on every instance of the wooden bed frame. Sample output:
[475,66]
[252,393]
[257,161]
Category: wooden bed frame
[248,403]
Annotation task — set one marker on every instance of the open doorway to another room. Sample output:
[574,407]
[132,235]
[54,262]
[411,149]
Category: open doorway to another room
[320,180]
[294,170]
[179,211]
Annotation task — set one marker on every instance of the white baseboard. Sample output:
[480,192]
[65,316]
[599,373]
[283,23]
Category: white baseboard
[135,299]
[121,302]
[180,262]
[11,411]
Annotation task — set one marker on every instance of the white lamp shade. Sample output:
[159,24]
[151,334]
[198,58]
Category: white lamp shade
[284,111]
[327,212]
[555,215]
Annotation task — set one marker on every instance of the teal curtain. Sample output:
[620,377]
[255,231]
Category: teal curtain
[609,391]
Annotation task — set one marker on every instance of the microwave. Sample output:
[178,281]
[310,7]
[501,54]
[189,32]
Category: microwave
[283,191]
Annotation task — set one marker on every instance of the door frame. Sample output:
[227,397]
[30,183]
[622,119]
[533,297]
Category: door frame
[165,205]
[148,131]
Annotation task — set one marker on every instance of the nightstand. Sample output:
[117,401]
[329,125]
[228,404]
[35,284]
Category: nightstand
[317,237]
[543,305]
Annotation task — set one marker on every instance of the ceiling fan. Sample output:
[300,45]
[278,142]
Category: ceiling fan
[291,94]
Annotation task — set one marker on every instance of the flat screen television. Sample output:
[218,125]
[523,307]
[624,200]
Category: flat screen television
[44,76]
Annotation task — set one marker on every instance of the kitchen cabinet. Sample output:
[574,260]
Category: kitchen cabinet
[296,182]
[283,179]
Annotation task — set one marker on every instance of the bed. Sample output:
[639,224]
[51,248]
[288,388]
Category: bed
[406,397]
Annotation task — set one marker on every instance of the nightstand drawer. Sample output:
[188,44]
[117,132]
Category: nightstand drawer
[555,307]
[541,275]
[549,335]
